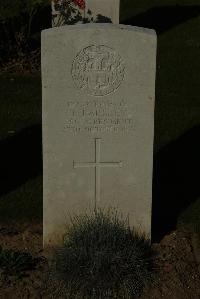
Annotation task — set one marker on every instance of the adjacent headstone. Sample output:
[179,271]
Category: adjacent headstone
[99,11]
[98,123]
[105,11]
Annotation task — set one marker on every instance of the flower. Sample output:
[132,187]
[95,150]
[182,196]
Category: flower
[80,3]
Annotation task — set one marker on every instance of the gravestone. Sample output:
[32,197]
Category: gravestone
[108,10]
[98,123]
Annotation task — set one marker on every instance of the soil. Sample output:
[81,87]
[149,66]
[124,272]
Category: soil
[177,268]
[176,263]
[25,238]
[26,63]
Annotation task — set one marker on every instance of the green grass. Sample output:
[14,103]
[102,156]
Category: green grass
[20,102]
[178,88]
[190,218]
[131,7]
[20,107]
[23,204]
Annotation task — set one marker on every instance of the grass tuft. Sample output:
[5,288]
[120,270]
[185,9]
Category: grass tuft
[102,257]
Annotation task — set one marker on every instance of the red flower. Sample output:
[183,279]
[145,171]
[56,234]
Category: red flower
[80,3]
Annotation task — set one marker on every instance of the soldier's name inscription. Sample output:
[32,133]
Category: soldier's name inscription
[98,116]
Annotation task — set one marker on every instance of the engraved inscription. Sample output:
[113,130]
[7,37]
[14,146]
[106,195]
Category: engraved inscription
[98,70]
[97,164]
[93,116]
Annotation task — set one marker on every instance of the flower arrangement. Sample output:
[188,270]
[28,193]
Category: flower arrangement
[80,3]
[69,12]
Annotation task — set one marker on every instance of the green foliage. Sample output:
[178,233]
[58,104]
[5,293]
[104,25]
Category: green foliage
[15,262]
[9,9]
[15,8]
[190,218]
[102,257]
[16,18]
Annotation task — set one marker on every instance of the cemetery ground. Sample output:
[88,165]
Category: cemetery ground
[176,195]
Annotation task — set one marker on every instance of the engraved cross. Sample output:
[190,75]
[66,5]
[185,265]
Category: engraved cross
[97,164]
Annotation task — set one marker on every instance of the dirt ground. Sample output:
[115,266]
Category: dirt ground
[176,263]
[25,238]
[177,268]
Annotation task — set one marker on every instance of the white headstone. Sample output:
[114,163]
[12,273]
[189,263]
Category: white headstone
[107,9]
[98,123]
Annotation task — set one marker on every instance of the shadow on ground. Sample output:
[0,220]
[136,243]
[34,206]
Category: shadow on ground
[20,158]
[176,181]
[164,18]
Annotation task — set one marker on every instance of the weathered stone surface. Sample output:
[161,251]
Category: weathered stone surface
[98,122]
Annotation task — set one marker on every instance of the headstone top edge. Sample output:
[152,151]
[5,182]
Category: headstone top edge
[99,26]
